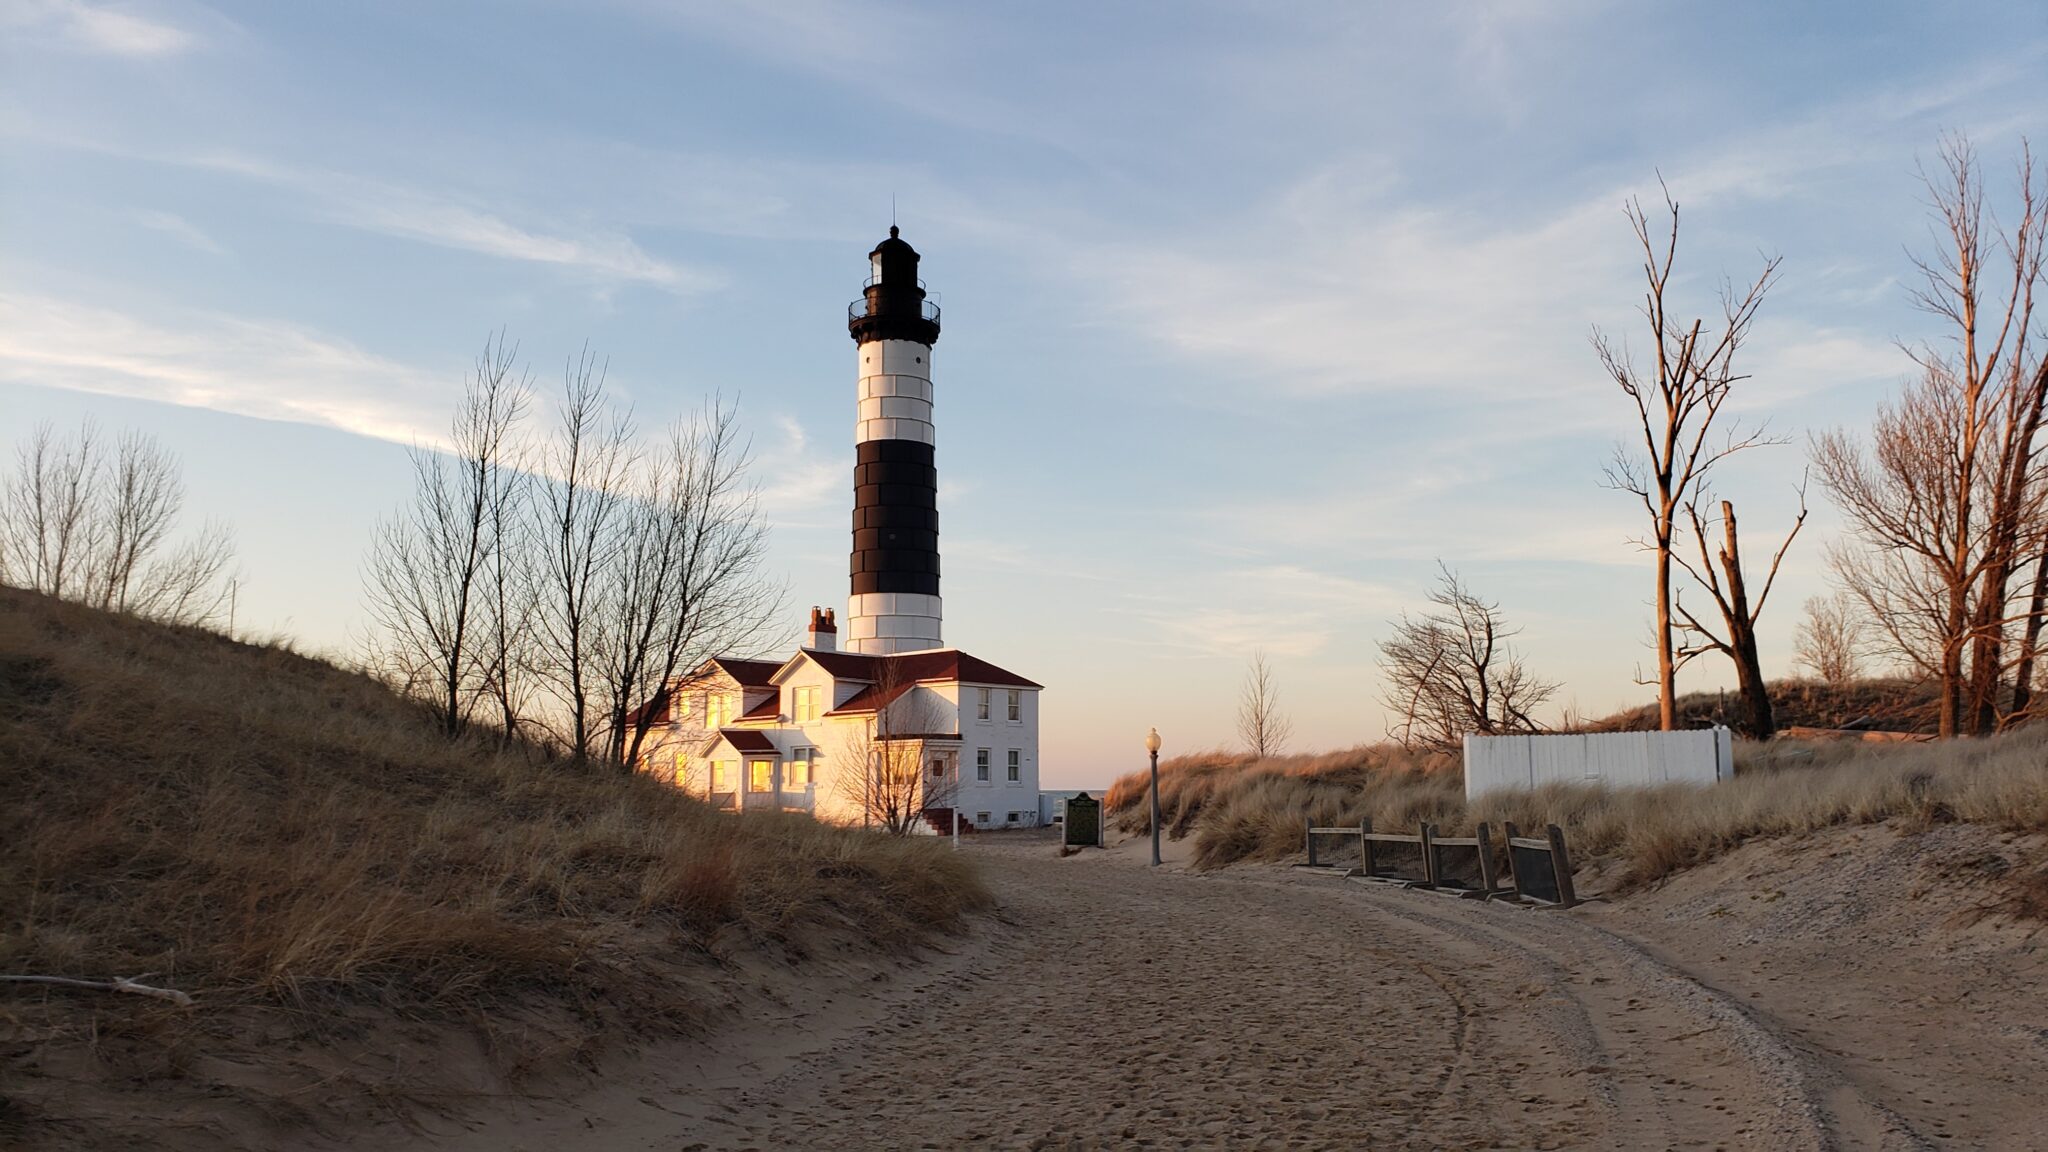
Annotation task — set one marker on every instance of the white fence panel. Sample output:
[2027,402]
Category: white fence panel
[1611,759]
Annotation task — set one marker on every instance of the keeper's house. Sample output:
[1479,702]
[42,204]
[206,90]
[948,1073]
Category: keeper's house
[824,731]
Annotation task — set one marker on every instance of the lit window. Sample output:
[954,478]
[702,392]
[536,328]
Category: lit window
[721,775]
[981,765]
[1016,766]
[1016,707]
[761,776]
[804,704]
[717,710]
[984,704]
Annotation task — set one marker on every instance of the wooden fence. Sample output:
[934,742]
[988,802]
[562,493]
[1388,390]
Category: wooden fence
[1539,870]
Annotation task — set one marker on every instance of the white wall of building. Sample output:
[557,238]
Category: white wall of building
[999,795]
[1610,759]
[842,745]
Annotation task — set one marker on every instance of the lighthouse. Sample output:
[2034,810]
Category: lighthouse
[879,690]
[894,605]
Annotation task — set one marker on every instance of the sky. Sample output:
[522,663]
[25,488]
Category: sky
[1253,313]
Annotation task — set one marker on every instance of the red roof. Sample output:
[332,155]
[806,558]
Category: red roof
[767,709]
[746,740]
[939,665]
[872,698]
[656,709]
[751,673]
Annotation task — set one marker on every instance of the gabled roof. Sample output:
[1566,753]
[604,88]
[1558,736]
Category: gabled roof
[939,665]
[750,673]
[872,698]
[655,709]
[769,708]
[744,740]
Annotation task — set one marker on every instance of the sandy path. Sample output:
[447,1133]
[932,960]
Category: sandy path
[1115,1006]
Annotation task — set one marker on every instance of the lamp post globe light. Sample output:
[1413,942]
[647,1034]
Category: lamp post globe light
[1152,747]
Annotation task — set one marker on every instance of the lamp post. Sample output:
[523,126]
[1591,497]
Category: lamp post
[1152,747]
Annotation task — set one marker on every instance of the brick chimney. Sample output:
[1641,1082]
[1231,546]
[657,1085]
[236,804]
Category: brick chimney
[824,634]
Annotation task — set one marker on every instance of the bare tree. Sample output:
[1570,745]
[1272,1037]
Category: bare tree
[1260,723]
[887,778]
[686,580]
[1678,401]
[577,503]
[1451,671]
[84,526]
[1832,639]
[432,566]
[1946,506]
[1720,573]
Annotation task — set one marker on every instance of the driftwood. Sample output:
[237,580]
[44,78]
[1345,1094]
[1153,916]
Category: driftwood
[117,984]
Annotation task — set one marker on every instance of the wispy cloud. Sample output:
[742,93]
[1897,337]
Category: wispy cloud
[178,228]
[444,218]
[101,29]
[450,220]
[806,487]
[231,364]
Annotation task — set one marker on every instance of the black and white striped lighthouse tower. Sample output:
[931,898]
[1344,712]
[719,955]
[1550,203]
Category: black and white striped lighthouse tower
[895,602]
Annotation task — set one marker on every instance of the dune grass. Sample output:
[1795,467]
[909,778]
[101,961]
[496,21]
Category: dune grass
[1237,809]
[257,827]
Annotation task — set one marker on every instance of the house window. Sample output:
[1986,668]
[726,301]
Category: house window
[761,776]
[983,715]
[717,711]
[721,775]
[797,777]
[803,705]
[681,769]
[1016,707]
[981,765]
[981,817]
[1016,766]
[938,769]
[1013,818]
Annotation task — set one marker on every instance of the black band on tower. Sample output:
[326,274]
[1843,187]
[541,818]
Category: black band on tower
[895,518]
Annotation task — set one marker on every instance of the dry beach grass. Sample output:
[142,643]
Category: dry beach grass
[1237,809]
[293,845]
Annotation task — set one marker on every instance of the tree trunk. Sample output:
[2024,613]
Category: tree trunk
[1749,675]
[1667,665]
[2030,644]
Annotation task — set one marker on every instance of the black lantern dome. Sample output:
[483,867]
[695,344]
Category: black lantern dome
[894,306]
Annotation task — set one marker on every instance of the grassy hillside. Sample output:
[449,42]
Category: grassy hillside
[292,844]
[1890,705]
[1238,809]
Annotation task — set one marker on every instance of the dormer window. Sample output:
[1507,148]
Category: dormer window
[717,710]
[803,704]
